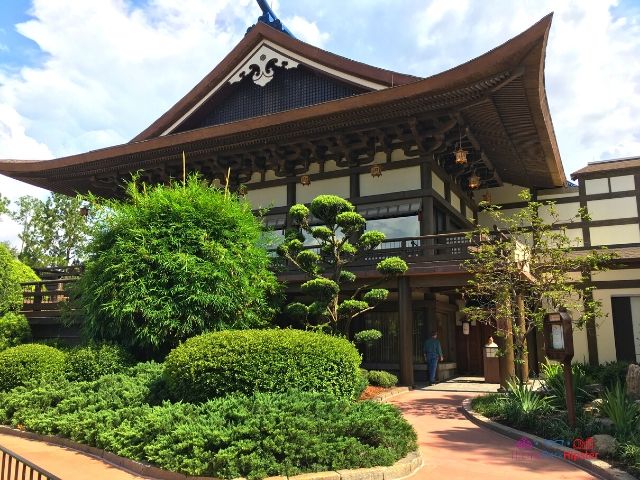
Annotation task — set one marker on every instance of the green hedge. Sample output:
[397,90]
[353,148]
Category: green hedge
[93,361]
[236,436]
[14,330]
[216,364]
[28,363]
[382,379]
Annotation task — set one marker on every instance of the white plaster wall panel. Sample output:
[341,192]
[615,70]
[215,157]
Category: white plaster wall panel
[330,166]
[255,178]
[469,214]
[615,235]
[313,168]
[507,193]
[398,154]
[437,184]
[379,157]
[596,185]
[613,208]
[332,186]
[612,275]
[623,183]
[575,236]
[566,212]
[580,343]
[270,175]
[268,197]
[604,325]
[455,201]
[554,193]
[398,180]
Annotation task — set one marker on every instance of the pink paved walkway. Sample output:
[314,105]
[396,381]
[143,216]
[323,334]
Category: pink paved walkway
[64,462]
[454,448]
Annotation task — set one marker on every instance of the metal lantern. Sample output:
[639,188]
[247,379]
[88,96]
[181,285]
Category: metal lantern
[84,211]
[461,156]
[305,180]
[491,349]
[242,190]
[474,181]
[376,171]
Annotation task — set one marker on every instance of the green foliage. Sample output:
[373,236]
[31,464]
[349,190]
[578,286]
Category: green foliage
[14,330]
[236,436]
[341,241]
[29,363]
[553,374]
[172,262]
[529,259]
[327,208]
[382,379]
[220,363]
[375,296]
[622,410]
[607,374]
[630,455]
[297,311]
[93,361]
[367,336]
[525,399]
[322,289]
[54,231]
[12,273]
[392,266]
[349,308]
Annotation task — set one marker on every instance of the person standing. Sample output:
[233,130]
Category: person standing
[432,353]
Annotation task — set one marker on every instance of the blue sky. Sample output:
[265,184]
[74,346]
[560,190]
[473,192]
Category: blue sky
[76,76]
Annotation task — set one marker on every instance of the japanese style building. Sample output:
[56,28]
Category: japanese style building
[290,121]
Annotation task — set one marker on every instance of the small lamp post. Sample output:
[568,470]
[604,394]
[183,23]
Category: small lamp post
[558,335]
[491,362]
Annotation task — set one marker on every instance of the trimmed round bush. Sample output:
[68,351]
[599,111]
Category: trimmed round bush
[93,361]
[14,330]
[248,361]
[30,362]
[380,378]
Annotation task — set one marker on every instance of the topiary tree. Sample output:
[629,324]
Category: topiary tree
[14,330]
[172,262]
[342,240]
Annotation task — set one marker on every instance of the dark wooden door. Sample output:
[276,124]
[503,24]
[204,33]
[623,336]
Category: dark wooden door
[469,348]
[623,329]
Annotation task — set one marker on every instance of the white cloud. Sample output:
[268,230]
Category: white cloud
[307,31]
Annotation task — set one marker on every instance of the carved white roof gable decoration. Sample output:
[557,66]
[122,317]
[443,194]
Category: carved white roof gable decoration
[260,65]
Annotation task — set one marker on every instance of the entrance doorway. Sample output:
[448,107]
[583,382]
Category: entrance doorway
[469,348]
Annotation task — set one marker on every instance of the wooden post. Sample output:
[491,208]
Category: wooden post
[405,332]
[523,365]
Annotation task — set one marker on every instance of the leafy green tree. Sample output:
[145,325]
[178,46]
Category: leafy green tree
[341,240]
[526,270]
[54,231]
[12,273]
[172,262]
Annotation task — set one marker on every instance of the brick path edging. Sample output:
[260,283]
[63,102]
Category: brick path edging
[402,468]
[384,396]
[594,466]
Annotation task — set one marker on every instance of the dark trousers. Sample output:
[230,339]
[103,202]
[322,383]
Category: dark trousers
[432,367]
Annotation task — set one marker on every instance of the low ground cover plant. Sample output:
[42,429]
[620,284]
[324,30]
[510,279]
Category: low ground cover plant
[379,378]
[252,436]
[247,361]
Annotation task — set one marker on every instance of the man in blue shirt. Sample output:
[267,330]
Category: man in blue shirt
[432,353]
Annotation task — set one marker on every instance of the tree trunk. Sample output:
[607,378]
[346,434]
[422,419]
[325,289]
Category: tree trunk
[522,356]
[505,331]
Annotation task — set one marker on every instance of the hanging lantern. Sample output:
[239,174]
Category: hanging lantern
[474,181]
[376,171]
[242,190]
[461,156]
[305,180]
[84,211]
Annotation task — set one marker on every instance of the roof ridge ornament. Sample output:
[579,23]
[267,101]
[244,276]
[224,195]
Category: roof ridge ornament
[270,18]
[261,66]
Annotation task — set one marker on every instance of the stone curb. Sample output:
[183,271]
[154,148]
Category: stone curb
[384,396]
[401,469]
[596,467]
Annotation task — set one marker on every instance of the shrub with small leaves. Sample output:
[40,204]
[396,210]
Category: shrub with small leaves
[14,330]
[93,361]
[30,363]
[247,361]
[381,378]
[392,266]
[367,336]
